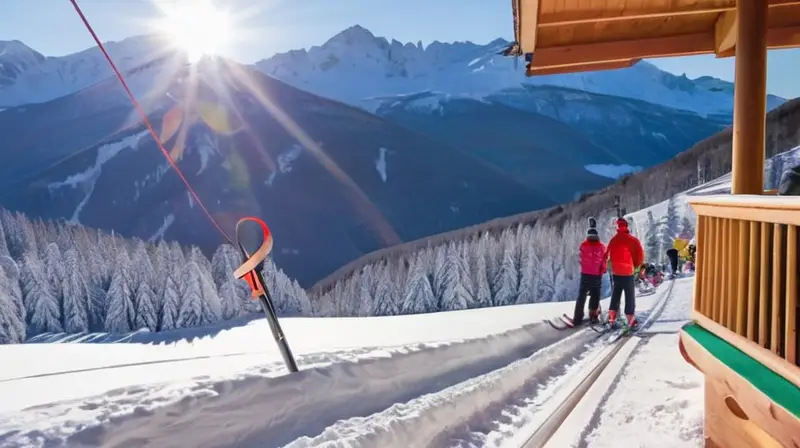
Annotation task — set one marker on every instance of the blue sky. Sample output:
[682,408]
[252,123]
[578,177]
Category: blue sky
[53,28]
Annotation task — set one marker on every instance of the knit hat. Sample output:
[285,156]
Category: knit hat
[591,233]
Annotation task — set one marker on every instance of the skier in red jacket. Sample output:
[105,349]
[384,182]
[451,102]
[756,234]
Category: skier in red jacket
[625,252]
[593,266]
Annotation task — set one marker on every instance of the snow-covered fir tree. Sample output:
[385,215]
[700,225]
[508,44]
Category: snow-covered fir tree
[42,308]
[76,295]
[12,311]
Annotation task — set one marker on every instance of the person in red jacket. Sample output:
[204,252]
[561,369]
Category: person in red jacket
[593,266]
[625,252]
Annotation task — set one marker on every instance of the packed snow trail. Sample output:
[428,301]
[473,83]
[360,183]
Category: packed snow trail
[302,404]
[657,393]
[353,369]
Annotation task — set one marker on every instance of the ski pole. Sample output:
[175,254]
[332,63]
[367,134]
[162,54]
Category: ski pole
[250,271]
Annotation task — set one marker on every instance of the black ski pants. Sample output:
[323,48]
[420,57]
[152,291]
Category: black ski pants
[623,283]
[590,285]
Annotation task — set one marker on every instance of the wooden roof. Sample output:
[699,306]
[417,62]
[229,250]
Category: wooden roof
[581,35]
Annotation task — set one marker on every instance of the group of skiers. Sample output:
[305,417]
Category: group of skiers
[625,254]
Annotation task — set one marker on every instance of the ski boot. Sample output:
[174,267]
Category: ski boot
[632,324]
[594,317]
[612,320]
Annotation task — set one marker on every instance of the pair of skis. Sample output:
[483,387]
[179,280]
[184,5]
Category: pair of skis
[564,322]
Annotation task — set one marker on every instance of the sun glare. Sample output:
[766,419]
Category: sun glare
[196,26]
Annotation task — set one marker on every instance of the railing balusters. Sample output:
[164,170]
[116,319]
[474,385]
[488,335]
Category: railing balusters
[753,281]
[748,270]
[790,322]
[764,284]
[777,240]
[742,276]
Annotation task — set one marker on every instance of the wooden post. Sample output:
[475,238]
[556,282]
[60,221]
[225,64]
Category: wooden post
[750,98]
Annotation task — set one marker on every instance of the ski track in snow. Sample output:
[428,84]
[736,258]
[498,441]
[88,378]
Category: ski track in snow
[658,398]
[305,403]
[487,391]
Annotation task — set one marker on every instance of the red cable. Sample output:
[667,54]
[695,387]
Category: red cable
[146,120]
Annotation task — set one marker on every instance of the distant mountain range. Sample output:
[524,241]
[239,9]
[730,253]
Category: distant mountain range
[442,137]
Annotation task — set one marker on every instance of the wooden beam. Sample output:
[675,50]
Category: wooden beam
[725,32]
[575,68]
[528,11]
[784,37]
[683,45]
[602,14]
[750,99]
[559,70]
[777,38]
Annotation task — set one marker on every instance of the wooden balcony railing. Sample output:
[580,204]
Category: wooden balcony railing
[746,289]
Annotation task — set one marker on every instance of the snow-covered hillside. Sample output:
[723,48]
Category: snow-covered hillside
[488,377]
[773,170]
[355,65]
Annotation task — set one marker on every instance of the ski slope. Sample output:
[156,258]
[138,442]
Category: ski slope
[483,377]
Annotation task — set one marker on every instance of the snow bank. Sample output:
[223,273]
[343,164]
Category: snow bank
[110,393]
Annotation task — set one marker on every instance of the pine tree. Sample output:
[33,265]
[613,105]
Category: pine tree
[76,296]
[190,313]
[229,302]
[671,225]
[483,292]
[652,245]
[55,273]
[418,293]
[12,313]
[120,312]
[455,295]
[528,278]
[170,305]
[12,272]
[44,314]
[506,282]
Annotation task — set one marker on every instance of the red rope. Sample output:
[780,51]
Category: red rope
[146,120]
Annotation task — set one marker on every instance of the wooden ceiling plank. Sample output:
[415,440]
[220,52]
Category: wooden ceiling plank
[576,17]
[725,32]
[687,44]
[528,24]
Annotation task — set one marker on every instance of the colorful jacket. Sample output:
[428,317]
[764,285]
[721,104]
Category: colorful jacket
[593,257]
[625,252]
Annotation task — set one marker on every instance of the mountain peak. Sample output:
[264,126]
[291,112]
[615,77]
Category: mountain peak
[15,58]
[353,35]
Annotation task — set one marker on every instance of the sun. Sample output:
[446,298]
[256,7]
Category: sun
[196,26]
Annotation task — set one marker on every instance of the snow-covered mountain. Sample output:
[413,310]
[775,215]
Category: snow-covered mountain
[333,181]
[355,65]
[15,58]
[28,77]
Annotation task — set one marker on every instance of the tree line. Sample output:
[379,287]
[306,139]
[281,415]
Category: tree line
[62,277]
[522,264]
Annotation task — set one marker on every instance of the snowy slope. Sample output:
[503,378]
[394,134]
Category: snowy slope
[355,65]
[773,169]
[373,381]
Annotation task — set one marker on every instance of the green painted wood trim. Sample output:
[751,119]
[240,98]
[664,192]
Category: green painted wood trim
[777,388]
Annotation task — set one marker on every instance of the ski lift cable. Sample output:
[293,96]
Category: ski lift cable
[146,121]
